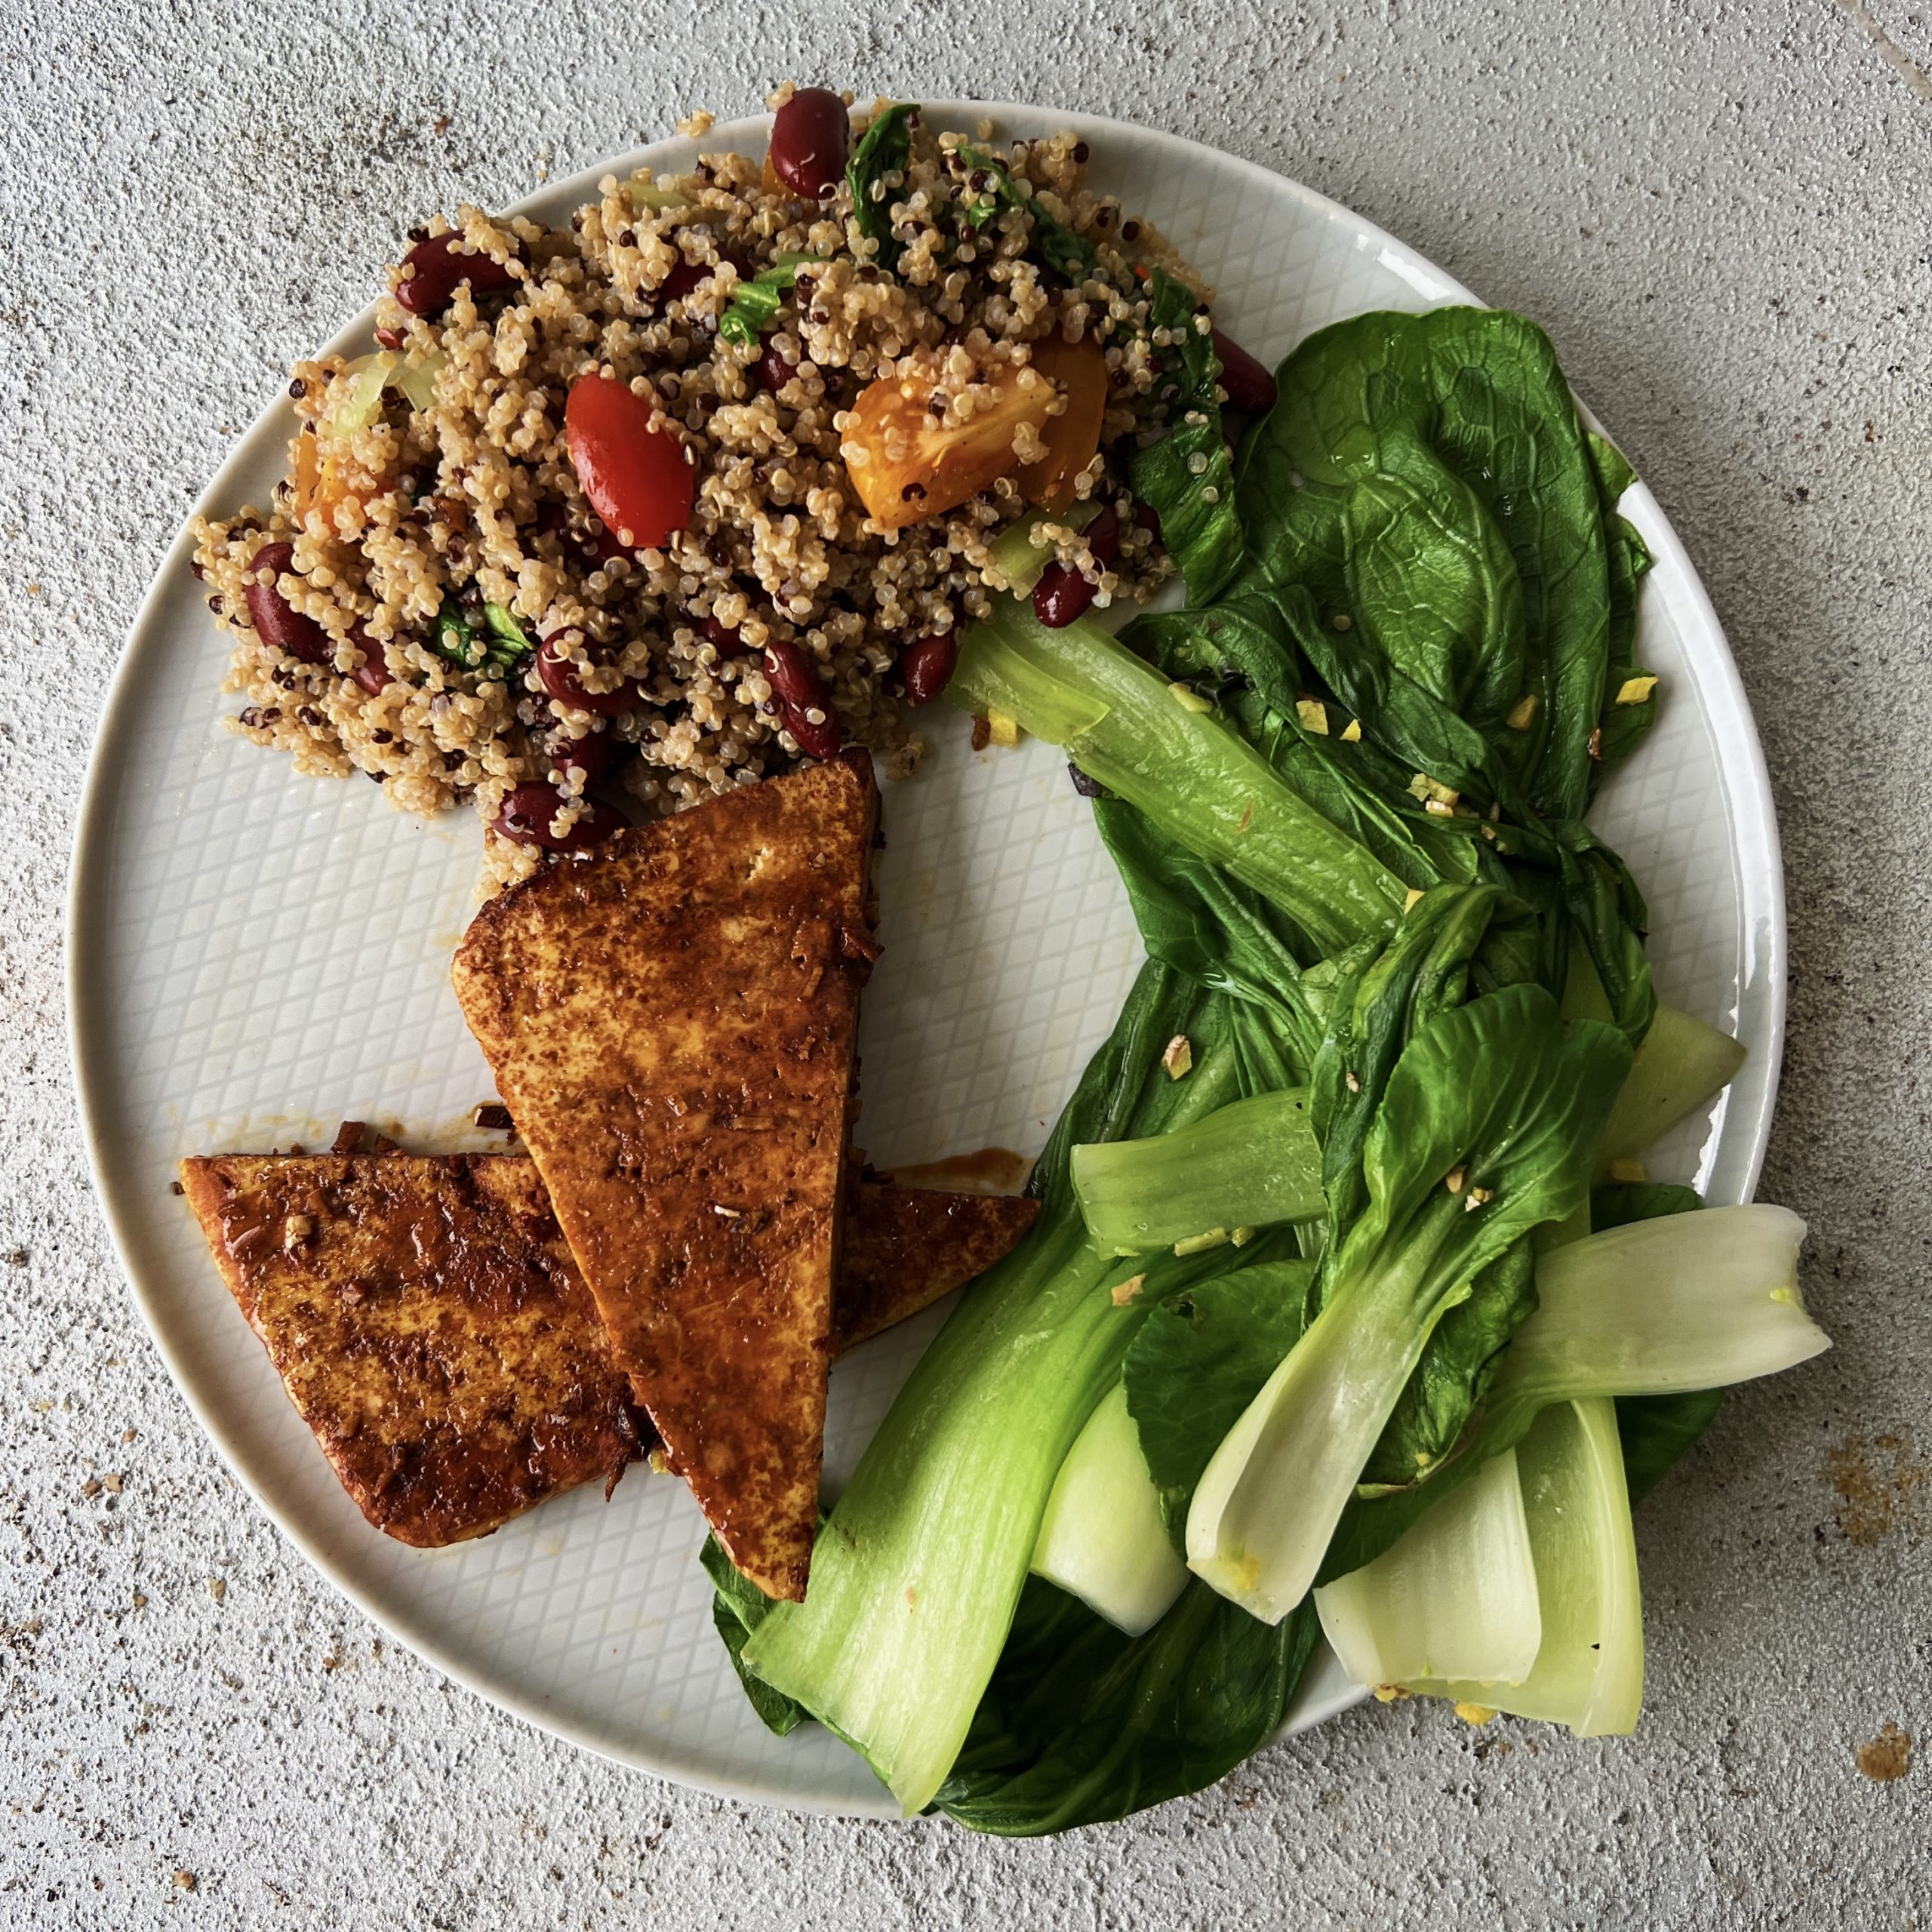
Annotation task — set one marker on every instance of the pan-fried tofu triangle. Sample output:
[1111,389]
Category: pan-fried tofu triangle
[671,1023]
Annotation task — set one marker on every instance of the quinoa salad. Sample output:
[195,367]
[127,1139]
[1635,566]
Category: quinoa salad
[620,515]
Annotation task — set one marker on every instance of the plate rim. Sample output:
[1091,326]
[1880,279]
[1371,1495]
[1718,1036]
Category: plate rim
[1742,773]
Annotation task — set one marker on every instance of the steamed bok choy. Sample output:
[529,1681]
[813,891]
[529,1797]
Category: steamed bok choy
[1102,1538]
[1690,1301]
[1345,790]
[1588,1672]
[1250,1165]
[1455,1598]
[1485,1130]
[908,1608]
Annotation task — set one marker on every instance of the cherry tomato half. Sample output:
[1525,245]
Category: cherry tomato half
[636,477]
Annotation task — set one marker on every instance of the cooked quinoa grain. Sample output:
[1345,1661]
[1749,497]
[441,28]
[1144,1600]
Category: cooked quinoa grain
[453,618]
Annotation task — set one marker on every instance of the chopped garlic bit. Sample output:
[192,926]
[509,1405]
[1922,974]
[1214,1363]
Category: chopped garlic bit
[1409,901]
[1455,1179]
[1636,690]
[1522,714]
[1628,1170]
[1313,713]
[1355,1085]
[1476,1196]
[1179,1057]
[1478,1715]
[1125,1291]
[1242,1237]
[660,1463]
[1188,699]
[1389,1693]
[1200,1244]
[1001,730]
[1352,733]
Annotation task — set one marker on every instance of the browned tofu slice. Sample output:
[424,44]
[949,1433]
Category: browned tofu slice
[906,1246]
[448,1273]
[670,1021]
[429,1325]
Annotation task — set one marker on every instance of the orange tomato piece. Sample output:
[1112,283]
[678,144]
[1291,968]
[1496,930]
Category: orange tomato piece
[913,467]
[323,476]
[1080,369]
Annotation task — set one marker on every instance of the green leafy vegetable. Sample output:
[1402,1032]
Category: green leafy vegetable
[1683,1063]
[1454,520]
[1495,1098]
[1102,1538]
[1455,1597]
[1657,1431]
[1071,256]
[1081,1725]
[1187,477]
[1203,1355]
[1195,780]
[1251,1164]
[916,1578]
[1588,1672]
[882,152]
[1666,1306]
[754,306]
[494,647]
[738,1608]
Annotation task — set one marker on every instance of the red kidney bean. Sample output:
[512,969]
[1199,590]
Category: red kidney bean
[598,546]
[925,667]
[390,338]
[722,637]
[527,813]
[1249,385]
[682,280]
[1062,593]
[374,674]
[277,621]
[820,740]
[436,267]
[794,678]
[589,757]
[798,688]
[811,140]
[558,675]
[773,371]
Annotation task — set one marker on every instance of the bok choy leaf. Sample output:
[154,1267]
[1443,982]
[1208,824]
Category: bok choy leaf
[917,1574]
[1588,1672]
[1247,1165]
[1455,1597]
[1483,1131]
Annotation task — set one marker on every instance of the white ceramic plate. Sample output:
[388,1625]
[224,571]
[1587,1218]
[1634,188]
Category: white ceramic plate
[256,956]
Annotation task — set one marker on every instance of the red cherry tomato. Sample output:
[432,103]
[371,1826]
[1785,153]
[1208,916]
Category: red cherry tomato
[636,477]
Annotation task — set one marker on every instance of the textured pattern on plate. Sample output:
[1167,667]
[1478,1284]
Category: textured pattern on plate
[247,943]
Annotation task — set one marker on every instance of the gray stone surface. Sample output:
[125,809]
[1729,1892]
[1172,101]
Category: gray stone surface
[1719,212]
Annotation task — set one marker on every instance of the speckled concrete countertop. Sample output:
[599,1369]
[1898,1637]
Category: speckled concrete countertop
[1719,211]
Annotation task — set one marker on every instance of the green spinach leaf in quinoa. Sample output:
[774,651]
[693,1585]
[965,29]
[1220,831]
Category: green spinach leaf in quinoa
[1071,256]
[1187,477]
[498,643]
[888,142]
[754,307]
